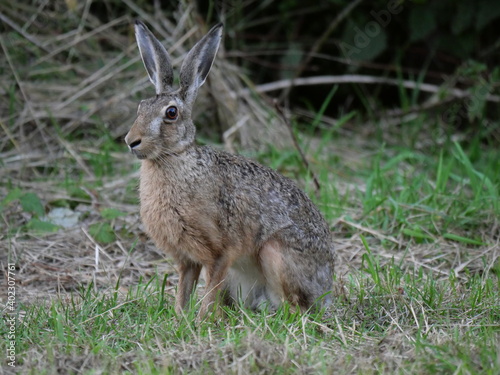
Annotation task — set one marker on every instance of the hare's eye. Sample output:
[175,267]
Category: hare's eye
[171,113]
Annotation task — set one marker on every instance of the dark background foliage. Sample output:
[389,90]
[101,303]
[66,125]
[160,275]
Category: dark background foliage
[447,45]
[450,43]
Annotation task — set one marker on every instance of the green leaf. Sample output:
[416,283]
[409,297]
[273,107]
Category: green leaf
[77,192]
[460,46]
[40,226]
[456,237]
[12,196]
[472,69]
[102,232]
[417,234]
[363,41]
[32,204]
[112,213]
[477,104]
[487,11]
[422,22]
[463,17]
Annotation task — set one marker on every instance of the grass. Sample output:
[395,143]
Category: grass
[384,319]
[413,209]
[416,291]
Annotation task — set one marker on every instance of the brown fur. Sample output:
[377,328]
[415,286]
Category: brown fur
[257,235]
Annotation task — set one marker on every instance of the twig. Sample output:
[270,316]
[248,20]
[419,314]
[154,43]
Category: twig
[10,136]
[21,32]
[460,267]
[357,78]
[297,146]
[85,88]
[371,231]
[24,95]
[82,38]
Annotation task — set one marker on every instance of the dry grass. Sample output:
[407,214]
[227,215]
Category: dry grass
[84,72]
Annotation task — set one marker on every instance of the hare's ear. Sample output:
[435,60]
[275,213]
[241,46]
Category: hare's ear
[155,58]
[197,63]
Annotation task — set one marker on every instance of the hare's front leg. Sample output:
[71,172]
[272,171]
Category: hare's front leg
[188,277]
[215,275]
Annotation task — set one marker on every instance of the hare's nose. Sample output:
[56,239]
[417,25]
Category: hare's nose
[134,144]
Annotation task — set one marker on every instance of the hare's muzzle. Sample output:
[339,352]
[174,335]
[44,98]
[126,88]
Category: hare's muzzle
[134,144]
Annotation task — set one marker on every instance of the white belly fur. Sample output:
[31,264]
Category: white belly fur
[246,284]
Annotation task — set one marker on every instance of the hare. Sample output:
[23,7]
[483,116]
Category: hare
[258,237]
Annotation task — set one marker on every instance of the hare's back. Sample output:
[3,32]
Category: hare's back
[252,191]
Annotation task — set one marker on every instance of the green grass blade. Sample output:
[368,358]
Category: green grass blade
[456,237]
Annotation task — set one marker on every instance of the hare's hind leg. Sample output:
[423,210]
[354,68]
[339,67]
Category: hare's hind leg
[293,276]
[271,262]
[189,273]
